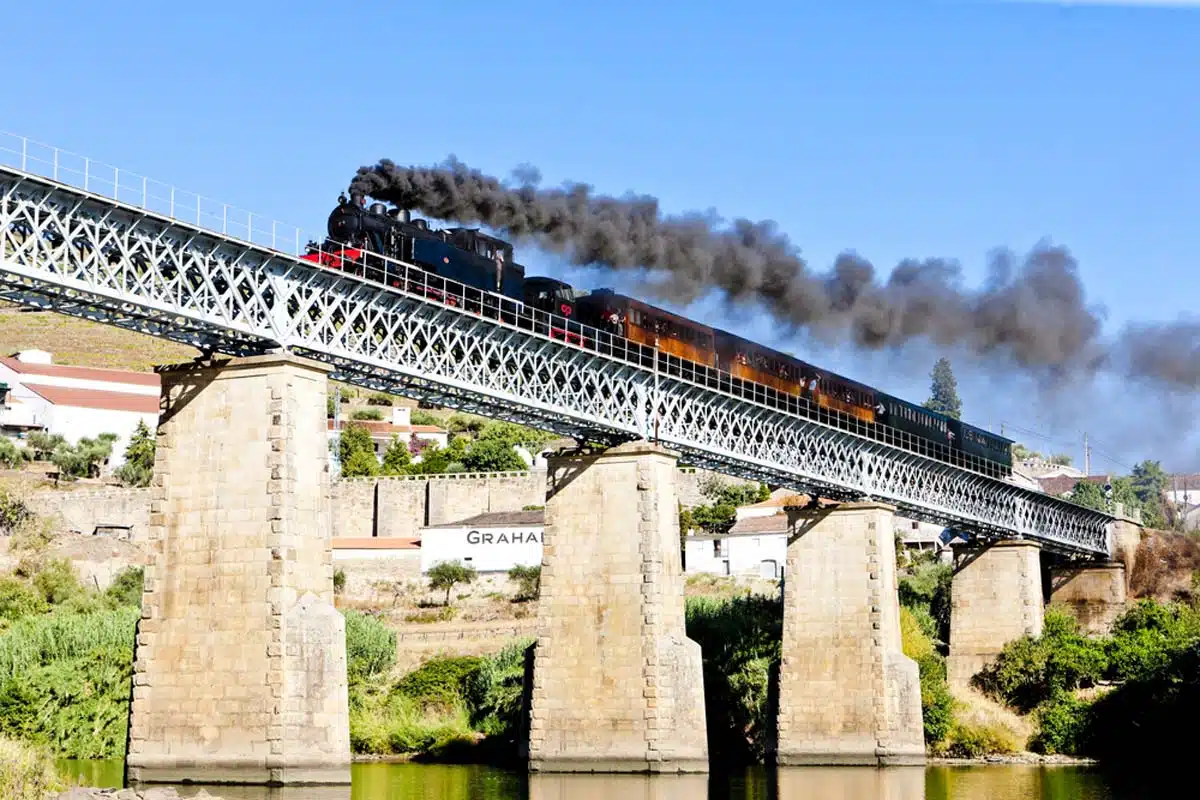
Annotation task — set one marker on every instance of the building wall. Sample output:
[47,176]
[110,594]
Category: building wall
[366,568]
[738,555]
[486,549]
[85,509]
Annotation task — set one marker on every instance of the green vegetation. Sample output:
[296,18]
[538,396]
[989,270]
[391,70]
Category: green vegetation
[491,449]
[1152,659]
[447,574]
[443,709]
[27,772]
[719,515]
[11,456]
[528,580]
[741,641]
[944,390]
[80,460]
[138,468]
[66,658]
[371,414]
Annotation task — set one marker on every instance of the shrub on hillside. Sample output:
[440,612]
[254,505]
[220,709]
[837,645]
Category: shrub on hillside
[14,513]
[18,600]
[440,682]
[1062,726]
[371,414]
[528,581]
[370,647]
[937,705]
[1031,670]
[493,692]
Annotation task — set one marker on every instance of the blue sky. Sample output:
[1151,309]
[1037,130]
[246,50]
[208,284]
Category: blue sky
[895,129]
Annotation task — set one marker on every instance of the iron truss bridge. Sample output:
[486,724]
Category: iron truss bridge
[100,245]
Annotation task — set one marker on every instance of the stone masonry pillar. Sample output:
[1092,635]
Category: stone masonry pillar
[995,597]
[1094,594]
[240,666]
[616,685]
[847,692]
[1124,537]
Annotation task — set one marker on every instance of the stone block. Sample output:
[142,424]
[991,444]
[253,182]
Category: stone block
[616,685]
[1094,594]
[241,677]
[996,597]
[847,693]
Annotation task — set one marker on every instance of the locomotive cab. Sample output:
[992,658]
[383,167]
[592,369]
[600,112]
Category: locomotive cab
[550,295]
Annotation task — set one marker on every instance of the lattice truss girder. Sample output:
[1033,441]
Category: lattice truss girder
[91,257]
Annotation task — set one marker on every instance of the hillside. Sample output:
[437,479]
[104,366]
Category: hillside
[78,342]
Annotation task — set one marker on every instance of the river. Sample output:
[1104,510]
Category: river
[377,781]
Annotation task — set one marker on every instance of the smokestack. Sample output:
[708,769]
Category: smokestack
[406,215]
[1031,310]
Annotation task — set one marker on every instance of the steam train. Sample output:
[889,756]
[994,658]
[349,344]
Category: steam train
[464,265]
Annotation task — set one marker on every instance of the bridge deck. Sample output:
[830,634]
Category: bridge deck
[78,252]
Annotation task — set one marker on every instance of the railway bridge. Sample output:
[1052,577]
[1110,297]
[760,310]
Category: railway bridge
[240,665]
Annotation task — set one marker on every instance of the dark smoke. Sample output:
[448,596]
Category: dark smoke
[1031,310]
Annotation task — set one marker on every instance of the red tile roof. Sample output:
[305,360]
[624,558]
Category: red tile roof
[1061,484]
[376,428]
[82,373]
[377,543]
[97,399]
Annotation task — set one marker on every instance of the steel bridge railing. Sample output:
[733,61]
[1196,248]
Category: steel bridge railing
[397,328]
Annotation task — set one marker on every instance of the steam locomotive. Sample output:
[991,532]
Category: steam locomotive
[465,265]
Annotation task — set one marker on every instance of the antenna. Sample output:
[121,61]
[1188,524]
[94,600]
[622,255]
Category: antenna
[1087,457]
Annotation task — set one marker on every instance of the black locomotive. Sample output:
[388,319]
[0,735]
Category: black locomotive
[464,265]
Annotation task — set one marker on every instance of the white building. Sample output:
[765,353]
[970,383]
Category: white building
[493,542]
[755,546]
[75,402]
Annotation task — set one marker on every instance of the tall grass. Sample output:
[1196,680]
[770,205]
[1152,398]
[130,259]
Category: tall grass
[26,773]
[36,641]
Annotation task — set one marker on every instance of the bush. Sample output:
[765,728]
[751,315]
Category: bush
[126,588]
[11,456]
[14,513]
[1062,726]
[937,705]
[18,600]
[1031,670]
[492,455]
[926,591]
[419,417]
[440,682]
[56,581]
[339,581]
[380,399]
[27,772]
[370,647]
[367,414]
[740,639]
[493,692]
[973,741]
[528,580]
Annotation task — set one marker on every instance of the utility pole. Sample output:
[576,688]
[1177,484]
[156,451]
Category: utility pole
[1087,457]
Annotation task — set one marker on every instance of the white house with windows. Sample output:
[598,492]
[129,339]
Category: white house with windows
[75,402]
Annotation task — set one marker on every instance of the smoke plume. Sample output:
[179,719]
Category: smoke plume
[1029,309]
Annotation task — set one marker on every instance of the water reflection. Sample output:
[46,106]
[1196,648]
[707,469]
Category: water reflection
[382,781]
[608,787]
[851,783]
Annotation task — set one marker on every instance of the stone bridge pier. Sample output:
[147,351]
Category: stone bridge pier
[1000,592]
[240,662]
[847,693]
[616,685]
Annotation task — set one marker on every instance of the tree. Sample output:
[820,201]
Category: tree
[83,460]
[1022,453]
[492,455]
[138,468]
[356,452]
[434,460]
[1148,482]
[528,580]
[447,574]
[944,399]
[11,456]
[1062,459]
[396,459]
[1089,495]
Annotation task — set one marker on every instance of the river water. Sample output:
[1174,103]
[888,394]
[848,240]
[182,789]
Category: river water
[376,781]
